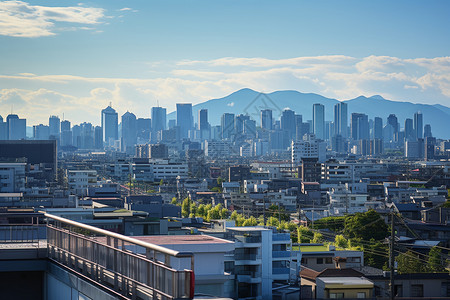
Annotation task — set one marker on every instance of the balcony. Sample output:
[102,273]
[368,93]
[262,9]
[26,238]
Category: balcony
[249,277]
[247,259]
[281,237]
[280,271]
[99,256]
[281,254]
[248,239]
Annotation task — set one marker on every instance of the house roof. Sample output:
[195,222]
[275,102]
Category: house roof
[311,274]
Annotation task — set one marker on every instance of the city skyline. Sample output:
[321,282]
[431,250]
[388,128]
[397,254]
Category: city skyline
[68,58]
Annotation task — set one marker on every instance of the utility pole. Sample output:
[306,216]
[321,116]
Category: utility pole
[391,257]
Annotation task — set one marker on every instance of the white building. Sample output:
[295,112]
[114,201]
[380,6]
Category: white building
[12,177]
[217,148]
[342,202]
[261,257]
[81,180]
[309,147]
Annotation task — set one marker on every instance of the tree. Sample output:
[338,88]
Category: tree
[318,238]
[335,224]
[250,222]
[408,263]
[376,254]
[272,221]
[185,207]
[174,201]
[224,213]
[340,241]
[161,182]
[201,212]
[365,226]
[304,234]
[435,261]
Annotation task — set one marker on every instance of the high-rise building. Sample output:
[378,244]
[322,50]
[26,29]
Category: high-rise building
[378,128]
[418,125]
[227,124]
[203,119]
[110,120]
[250,127]
[143,128]
[184,118]
[66,134]
[409,130]
[288,123]
[98,137]
[17,128]
[427,131]
[319,121]
[239,123]
[41,132]
[359,126]
[266,119]
[129,132]
[3,129]
[159,116]
[341,119]
[54,125]
[65,125]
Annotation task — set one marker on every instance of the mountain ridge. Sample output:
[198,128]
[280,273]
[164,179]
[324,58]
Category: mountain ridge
[251,102]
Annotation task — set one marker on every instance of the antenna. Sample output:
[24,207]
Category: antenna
[110,104]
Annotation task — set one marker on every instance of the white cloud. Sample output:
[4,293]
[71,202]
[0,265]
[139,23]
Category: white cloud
[21,19]
[81,98]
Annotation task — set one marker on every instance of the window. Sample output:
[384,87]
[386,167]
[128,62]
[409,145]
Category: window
[361,295]
[320,261]
[336,295]
[328,260]
[417,290]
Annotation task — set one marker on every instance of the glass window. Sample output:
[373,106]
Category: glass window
[320,261]
[336,295]
[361,295]
[417,290]
[328,260]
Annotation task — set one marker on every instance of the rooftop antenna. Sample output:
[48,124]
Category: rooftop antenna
[110,104]
[63,116]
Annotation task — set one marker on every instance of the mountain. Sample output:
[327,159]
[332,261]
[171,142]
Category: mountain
[252,102]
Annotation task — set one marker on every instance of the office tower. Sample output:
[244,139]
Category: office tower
[227,124]
[250,127]
[65,136]
[430,143]
[266,119]
[203,119]
[239,123]
[378,128]
[341,119]
[298,127]
[159,116]
[17,128]
[427,131]
[409,130]
[110,125]
[65,125]
[3,129]
[54,127]
[87,136]
[129,132]
[418,125]
[319,121]
[359,127]
[184,118]
[393,121]
[41,132]
[288,122]
[143,128]
[98,137]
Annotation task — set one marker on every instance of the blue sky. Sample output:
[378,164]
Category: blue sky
[74,58]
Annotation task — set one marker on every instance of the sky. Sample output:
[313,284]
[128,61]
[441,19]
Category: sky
[73,58]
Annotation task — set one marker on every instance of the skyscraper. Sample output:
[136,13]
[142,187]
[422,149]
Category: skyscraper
[288,122]
[418,125]
[54,127]
[3,129]
[159,115]
[378,128]
[409,130]
[393,121]
[266,119]
[184,118]
[319,121]
[17,128]
[227,123]
[129,132]
[427,131]
[360,126]
[341,119]
[110,125]
[203,119]
[239,123]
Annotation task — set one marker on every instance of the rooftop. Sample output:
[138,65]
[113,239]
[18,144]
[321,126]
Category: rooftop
[181,239]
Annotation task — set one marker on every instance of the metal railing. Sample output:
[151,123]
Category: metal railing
[102,256]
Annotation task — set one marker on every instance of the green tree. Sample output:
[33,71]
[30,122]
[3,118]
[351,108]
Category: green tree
[219,181]
[201,212]
[318,238]
[376,254]
[224,213]
[435,261]
[335,224]
[365,226]
[161,182]
[304,234]
[272,221]
[250,222]
[185,207]
[174,201]
[193,209]
[408,263]
[340,241]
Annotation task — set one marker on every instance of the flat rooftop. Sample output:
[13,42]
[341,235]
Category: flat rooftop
[248,228]
[181,239]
